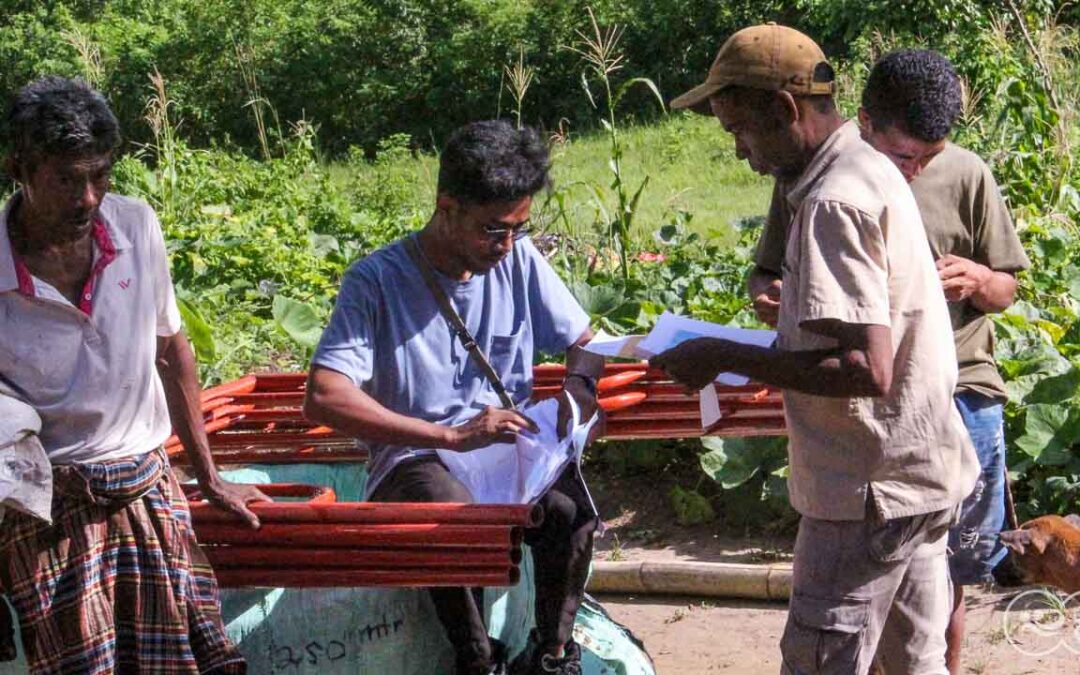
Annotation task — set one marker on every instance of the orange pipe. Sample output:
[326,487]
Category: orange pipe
[379,513]
[316,494]
[416,535]
[243,385]
[249,557]
[618,402]
[414,578]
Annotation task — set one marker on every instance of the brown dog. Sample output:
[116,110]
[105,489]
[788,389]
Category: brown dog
[1045,550]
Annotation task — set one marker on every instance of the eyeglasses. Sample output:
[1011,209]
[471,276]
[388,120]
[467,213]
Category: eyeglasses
[497,233]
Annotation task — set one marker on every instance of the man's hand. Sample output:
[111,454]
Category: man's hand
[494,425]
[587,406]
[234,497]
[767,303]
[962,278]
[694,363]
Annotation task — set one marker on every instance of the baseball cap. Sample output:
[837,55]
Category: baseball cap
[768,56]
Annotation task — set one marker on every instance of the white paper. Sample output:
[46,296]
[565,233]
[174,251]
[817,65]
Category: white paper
[672,330]
[709,406]
[521,472]
[614,346]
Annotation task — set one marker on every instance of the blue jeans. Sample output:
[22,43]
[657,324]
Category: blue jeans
[974,547]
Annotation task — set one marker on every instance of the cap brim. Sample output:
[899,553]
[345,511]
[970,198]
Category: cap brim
[697,99]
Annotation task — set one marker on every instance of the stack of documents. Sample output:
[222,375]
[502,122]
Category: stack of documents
[672,330]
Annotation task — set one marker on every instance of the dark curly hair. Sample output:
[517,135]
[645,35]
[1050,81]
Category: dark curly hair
[916,90]
[491,161]
[58,116]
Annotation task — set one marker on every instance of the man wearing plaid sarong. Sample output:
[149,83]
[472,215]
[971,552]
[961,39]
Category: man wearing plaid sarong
[91,340]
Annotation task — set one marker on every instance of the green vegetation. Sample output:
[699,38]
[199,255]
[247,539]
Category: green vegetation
[286,138]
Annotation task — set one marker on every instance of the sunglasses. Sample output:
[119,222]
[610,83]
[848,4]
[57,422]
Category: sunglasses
[497,233]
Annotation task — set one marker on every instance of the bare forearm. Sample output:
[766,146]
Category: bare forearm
[179,377]
[832,373]
[333,400]
[997,294]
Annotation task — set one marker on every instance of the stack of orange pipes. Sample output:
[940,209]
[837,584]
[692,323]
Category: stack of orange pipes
[258,418]
[321,543]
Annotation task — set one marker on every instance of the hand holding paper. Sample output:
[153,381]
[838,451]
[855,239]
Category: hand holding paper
[695,363]
[690,351]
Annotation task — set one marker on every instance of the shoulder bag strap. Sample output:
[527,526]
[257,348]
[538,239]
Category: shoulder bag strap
[456,324]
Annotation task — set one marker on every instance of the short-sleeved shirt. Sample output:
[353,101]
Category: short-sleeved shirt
[388,336]
[89,370]
[856,254]
[964,215]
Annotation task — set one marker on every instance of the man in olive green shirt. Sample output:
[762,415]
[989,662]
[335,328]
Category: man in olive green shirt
[910,103]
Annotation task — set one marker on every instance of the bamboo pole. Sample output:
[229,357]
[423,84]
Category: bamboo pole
[726,580]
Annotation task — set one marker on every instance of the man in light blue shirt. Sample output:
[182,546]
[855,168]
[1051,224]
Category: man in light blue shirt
[392,371]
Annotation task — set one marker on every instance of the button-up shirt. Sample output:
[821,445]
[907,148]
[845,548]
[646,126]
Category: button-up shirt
[857,253]
[89,369]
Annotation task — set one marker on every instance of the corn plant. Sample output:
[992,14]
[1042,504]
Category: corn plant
[519,78]
[600,52]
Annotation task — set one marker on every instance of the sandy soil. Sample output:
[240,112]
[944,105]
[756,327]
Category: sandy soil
[686,636]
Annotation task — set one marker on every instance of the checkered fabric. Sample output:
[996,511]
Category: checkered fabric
[118,583]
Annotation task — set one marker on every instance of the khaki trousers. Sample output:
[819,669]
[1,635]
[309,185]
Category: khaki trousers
[866,587]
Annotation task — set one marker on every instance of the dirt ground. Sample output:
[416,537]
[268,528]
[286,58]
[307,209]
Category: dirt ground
[686,636]
[1009,632]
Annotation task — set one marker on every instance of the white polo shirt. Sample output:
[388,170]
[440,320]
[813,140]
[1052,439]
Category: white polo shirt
[89,371]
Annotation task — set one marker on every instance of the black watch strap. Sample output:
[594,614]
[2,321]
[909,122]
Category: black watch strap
[590,382]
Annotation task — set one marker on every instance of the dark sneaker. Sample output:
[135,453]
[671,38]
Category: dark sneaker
[475,665]
[533,661]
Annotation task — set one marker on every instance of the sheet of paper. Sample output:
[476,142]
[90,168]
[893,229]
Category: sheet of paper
[521,472]
[709,406]
[614,346]
[672,330]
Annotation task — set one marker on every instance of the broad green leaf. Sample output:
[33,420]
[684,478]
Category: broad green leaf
[1050,431]
[298,320]
[733,461]
[323,245]
[1056,388]
[691,508]
[197,330]
[597,300]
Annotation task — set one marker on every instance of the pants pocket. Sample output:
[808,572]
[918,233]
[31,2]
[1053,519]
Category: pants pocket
[824,636]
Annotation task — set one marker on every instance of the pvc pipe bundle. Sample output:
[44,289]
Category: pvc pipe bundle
[258,418]
[323,543]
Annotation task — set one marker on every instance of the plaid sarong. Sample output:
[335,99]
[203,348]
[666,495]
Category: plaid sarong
[118,582]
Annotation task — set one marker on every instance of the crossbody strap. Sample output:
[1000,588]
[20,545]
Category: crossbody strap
[456,324]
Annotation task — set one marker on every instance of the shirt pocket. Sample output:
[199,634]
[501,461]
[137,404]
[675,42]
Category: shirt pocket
[507,358]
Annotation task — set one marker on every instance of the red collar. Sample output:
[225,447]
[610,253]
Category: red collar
[106,254]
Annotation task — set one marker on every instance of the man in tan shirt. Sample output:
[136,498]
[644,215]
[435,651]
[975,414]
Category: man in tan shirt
[910,104]
[878,454]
